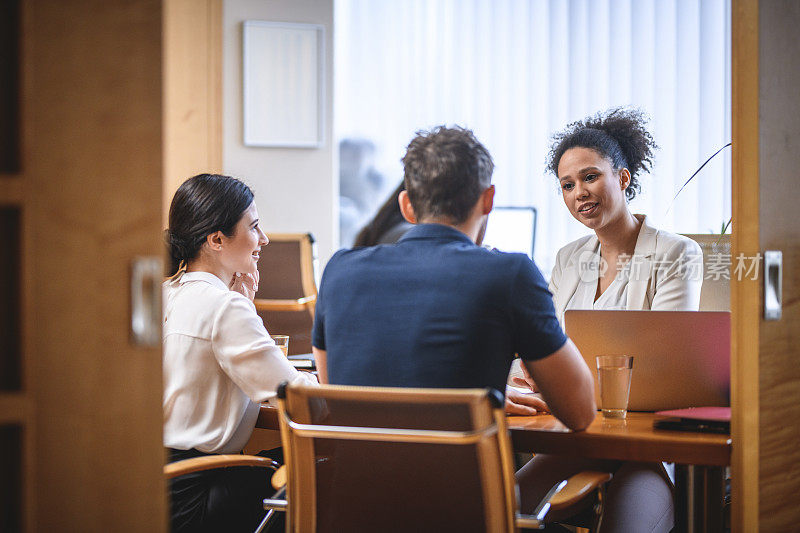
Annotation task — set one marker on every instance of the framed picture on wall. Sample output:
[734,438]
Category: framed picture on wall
[283,84]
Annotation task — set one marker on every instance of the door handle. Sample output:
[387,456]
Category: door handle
[773,284]
[146,277]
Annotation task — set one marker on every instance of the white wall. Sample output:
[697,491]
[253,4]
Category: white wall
[294,187]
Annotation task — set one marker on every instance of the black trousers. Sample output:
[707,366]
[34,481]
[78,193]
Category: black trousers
[225,499]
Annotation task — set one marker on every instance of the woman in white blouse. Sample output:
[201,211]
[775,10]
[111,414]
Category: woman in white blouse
[625,264]
[219,360]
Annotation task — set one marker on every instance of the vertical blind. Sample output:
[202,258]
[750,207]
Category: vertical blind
[516,71]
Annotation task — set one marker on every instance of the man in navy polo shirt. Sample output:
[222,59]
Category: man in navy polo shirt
[438,310]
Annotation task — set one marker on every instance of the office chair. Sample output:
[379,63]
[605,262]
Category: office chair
[287,289]
[715,294]
[211,462]
[390,459]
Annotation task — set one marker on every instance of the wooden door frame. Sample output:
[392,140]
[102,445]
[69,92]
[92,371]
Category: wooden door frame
[140,125]
[745,293]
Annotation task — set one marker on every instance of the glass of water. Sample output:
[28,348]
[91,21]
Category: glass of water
[282,342]
[614,376]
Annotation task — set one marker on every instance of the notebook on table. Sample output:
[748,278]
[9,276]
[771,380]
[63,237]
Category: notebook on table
[680,358]
[303,361]
[706,419]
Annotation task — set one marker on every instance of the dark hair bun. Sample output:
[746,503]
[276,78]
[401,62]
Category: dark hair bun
[202,205]
[618,134]
[179,248]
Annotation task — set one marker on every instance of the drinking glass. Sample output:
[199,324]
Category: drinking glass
[282,341]
[614,376]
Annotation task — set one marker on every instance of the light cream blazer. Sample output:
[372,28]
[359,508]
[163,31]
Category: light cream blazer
[663,284]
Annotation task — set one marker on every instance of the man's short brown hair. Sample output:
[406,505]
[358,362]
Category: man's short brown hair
[446,170]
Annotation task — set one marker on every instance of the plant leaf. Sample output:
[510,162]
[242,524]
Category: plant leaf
[695,174]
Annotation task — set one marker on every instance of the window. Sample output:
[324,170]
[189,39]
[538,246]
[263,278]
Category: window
[517,71]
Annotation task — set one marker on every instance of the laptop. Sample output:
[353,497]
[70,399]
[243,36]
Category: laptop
[680,358]
[511,229]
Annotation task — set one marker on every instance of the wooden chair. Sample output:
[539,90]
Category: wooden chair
[211,462]
[267,422]
[287,290]
[385,459]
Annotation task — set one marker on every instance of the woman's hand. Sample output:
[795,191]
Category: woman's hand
[525,383]
[525,380]
[524,403]
[245,283]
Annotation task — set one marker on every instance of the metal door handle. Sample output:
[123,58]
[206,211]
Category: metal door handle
[146,276]
[773,284]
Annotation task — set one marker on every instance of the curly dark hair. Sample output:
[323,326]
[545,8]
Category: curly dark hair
[618,134]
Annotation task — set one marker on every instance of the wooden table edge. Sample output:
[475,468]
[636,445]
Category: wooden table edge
[681,447]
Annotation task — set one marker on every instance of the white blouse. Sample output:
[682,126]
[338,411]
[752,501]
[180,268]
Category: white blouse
[614,297]
[219,363]
[665,273]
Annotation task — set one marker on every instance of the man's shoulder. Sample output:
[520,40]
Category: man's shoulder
[506,265]
[360,255]
[351,264]
[443,257]
[446,251]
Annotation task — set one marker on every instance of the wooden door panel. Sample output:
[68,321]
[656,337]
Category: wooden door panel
[93,175]
[779,229]
[766,355]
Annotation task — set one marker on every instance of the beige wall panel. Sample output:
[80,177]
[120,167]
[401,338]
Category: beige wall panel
[779,134]
[93,187]
[192,91]
[297,189]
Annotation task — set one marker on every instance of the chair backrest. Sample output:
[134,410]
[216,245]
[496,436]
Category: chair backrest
[715,294]
[288,278]
[388,459]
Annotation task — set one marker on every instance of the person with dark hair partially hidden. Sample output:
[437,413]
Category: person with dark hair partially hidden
[438,310]
[219,360]
[388,224]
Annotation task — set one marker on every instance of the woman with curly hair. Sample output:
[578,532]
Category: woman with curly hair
[626,264]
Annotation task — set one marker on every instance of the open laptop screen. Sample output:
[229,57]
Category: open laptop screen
[680,358]
[512,229]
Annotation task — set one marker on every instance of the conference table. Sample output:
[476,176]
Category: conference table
[700,458]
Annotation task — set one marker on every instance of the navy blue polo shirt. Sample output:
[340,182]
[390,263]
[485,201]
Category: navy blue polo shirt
[433,310]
